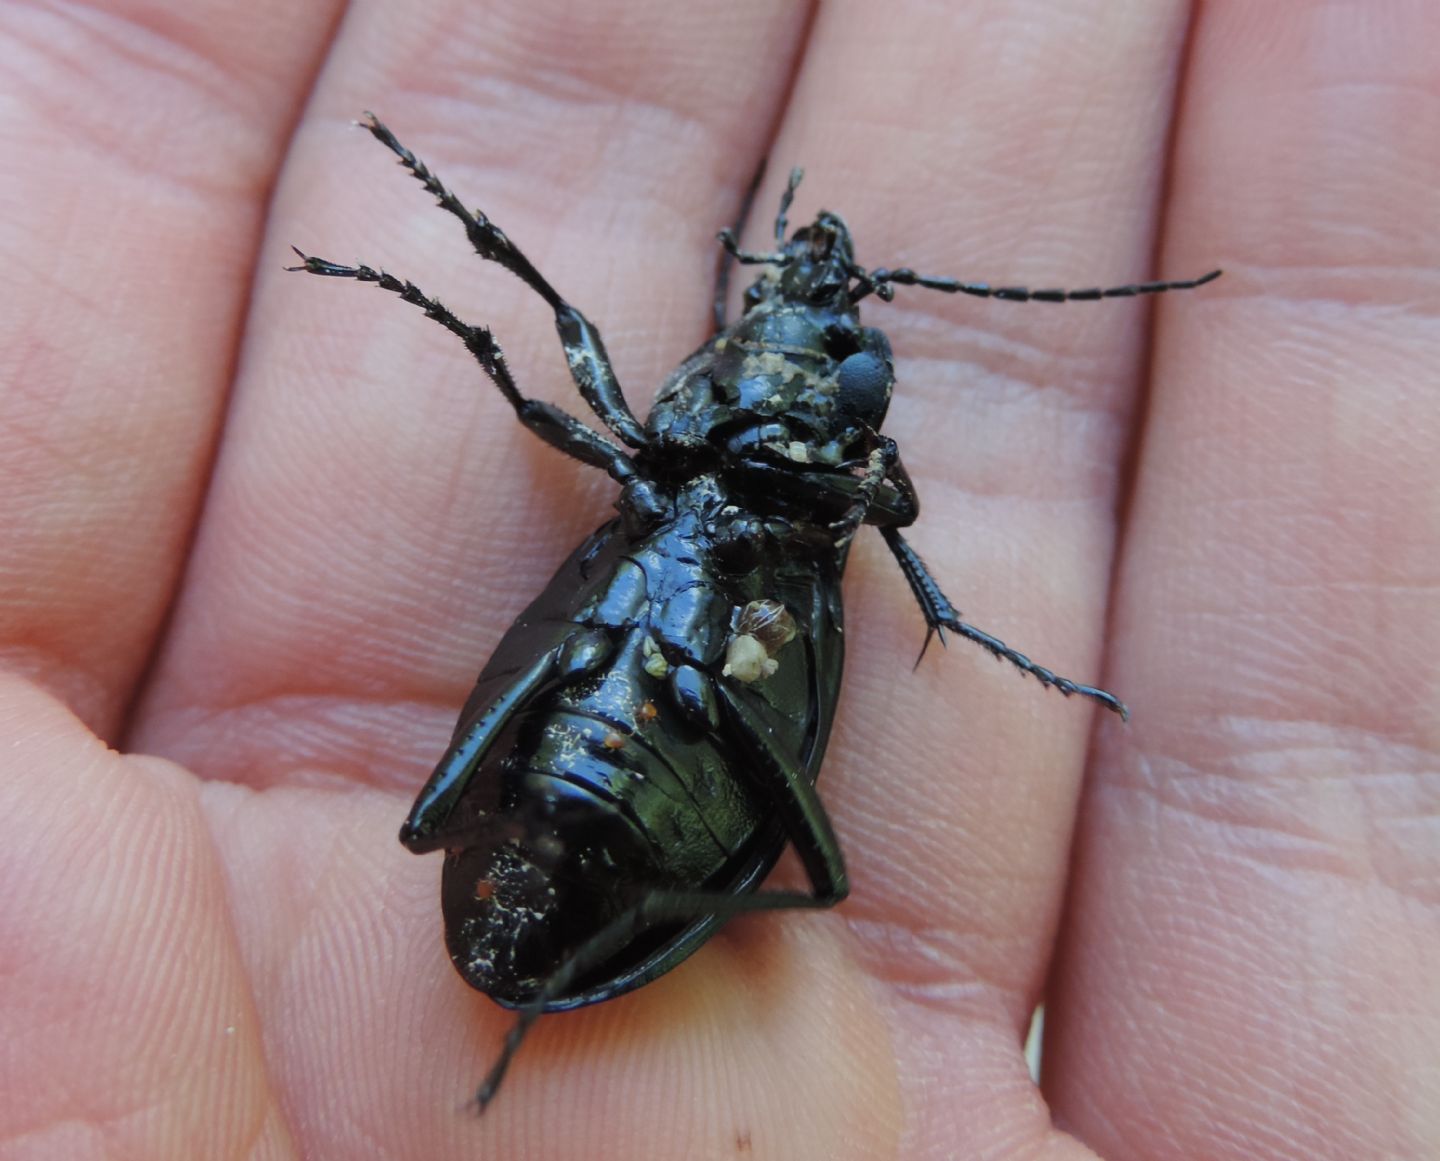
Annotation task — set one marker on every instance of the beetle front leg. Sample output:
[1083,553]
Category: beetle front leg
[941,615]
[729,239]
[878,468]
[556,427]
[584,350]
[431,824]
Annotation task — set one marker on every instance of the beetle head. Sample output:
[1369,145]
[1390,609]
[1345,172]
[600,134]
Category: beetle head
[815,265]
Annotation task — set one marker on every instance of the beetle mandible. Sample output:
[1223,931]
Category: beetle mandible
[646,738]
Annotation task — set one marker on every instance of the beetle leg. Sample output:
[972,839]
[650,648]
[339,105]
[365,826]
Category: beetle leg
[895,501]
[652,908]
[941,615]
[556,427]
[899,508]
[784,781]
[883,459]
[899,505]
[431,824]
[726,259]
[584,350]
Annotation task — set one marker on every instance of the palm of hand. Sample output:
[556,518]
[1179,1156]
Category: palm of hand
[242,956]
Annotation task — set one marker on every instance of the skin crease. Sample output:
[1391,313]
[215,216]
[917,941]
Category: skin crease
[265,529]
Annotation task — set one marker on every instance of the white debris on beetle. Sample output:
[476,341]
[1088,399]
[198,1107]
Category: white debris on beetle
[762,629]
[764,362]
[799,452]
[746,659]
[569,743]
[655,664]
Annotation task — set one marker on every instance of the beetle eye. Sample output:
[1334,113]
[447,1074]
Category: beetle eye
[863,385]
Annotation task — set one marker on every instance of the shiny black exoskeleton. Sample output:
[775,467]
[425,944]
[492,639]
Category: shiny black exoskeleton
[646,739]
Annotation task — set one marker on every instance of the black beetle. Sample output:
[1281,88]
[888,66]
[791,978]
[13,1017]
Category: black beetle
[647,736]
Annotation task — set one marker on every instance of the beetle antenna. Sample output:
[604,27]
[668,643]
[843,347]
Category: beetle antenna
[880,281]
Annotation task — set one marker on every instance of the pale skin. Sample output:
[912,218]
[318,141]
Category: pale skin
[261,530]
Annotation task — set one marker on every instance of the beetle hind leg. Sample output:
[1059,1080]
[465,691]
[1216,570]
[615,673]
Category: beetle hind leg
[789,788]
[654,907]
[941,616]
[585,352]
[556,427]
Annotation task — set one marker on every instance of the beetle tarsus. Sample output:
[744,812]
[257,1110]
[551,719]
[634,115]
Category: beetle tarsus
[1046,677]
[555,426]
[941,615]
[584,351]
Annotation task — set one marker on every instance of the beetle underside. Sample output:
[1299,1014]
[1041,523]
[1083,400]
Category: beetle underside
[646,739]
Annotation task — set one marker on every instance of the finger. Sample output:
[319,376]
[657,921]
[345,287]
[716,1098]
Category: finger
[964,142]
[129,1027]
[378,515]
[1250,970]
[139,148]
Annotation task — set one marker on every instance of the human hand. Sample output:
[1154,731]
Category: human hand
[223,949]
